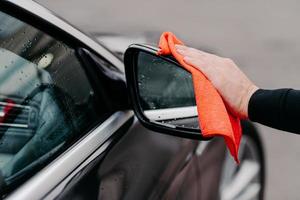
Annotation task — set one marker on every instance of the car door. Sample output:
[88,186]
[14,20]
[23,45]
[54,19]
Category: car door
[141,164]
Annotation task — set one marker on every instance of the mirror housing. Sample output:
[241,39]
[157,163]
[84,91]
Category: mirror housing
[161,92]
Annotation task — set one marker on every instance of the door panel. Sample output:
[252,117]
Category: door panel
[148,165]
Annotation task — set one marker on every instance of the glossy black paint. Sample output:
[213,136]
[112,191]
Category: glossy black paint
[142,164]
[148,165]
[107,80]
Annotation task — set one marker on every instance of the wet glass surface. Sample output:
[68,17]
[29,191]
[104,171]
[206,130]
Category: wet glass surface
[166,92]
[46,100]
[163,84]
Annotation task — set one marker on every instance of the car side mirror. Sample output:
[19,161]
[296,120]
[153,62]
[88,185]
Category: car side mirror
[161,92]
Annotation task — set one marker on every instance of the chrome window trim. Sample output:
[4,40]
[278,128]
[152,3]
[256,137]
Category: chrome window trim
[61,186]
[58,170]
[50,17]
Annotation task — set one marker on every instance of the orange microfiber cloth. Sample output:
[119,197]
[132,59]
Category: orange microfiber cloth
[214,118]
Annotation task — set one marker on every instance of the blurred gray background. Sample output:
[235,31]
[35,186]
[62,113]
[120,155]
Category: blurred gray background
[263,37]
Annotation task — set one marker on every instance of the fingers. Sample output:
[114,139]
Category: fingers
[194,57]
[197,63]
[185,51]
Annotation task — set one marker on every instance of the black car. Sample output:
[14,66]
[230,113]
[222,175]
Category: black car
[68,130]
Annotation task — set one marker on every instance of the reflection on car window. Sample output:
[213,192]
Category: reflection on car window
[163,84]
[46,100]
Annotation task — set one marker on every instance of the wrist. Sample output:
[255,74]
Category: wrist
[246,99]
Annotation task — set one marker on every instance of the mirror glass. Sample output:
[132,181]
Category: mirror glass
[166,93]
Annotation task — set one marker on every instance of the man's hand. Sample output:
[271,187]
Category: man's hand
[232,84]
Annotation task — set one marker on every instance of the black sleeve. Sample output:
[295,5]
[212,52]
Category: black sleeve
[279,109]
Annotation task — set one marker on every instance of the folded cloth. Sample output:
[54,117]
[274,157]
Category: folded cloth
[214,117]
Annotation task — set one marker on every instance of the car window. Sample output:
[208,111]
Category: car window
[46,99]
[164,85]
